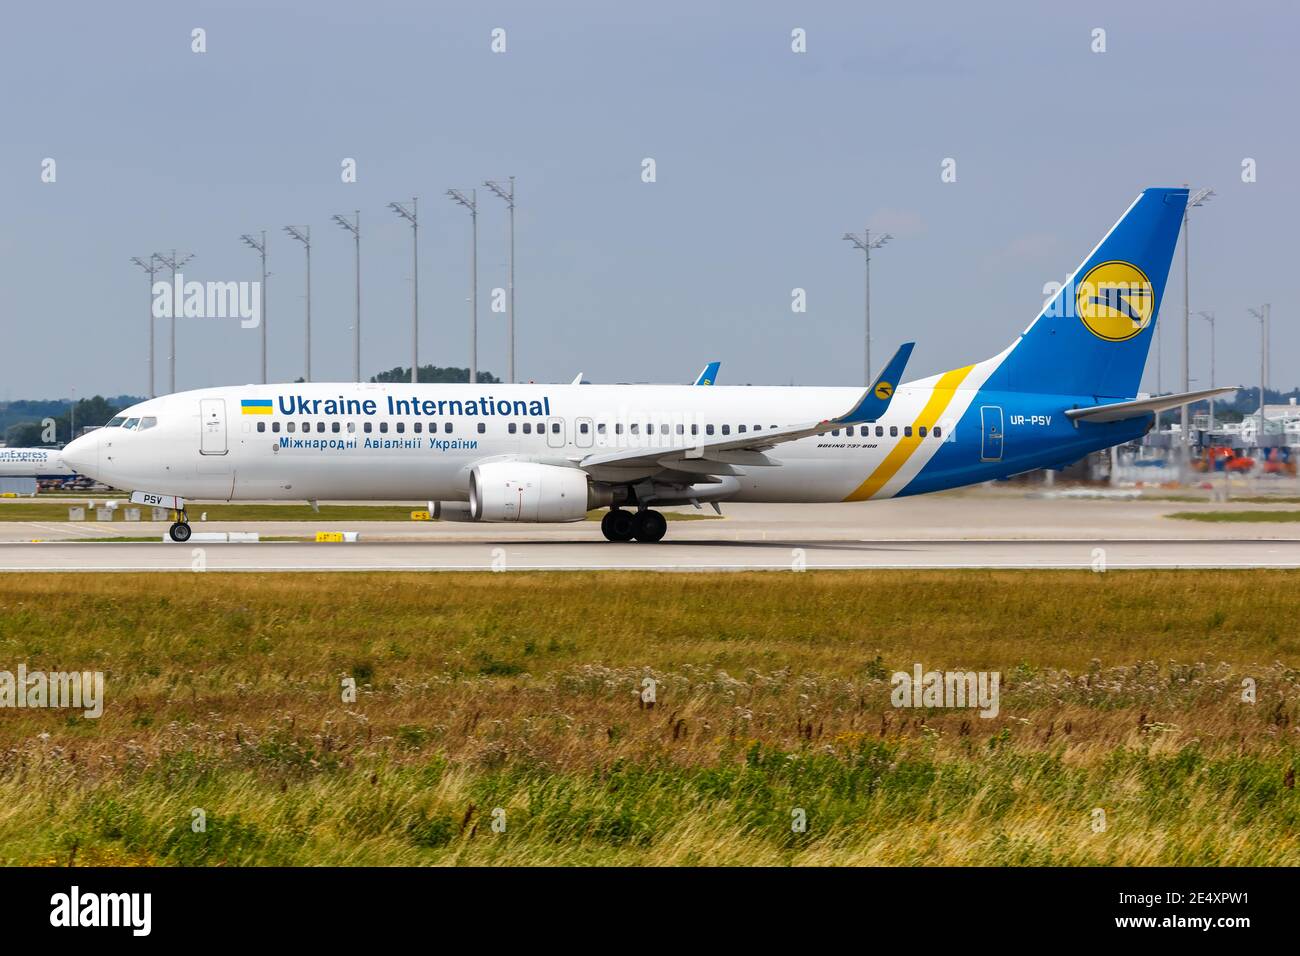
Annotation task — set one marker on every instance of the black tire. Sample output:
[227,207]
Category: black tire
[651,526]
[180,533]
[618,525]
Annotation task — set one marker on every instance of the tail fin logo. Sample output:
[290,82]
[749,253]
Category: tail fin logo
[1115,300]
[884,390]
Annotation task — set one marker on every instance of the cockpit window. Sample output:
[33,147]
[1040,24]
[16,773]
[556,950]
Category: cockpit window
[131,423]
[115,422]
[148,422]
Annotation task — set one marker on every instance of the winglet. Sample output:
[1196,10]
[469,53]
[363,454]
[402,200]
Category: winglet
[709,375]
[876,399]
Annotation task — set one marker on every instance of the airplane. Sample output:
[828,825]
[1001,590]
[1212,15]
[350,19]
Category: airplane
[708,375]
[33,463]
[1066,386]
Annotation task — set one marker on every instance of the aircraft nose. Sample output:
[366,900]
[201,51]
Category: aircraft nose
[82,454]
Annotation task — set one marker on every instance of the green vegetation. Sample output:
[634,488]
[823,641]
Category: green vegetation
[1236,516]
[20,422]
[1121,691]
[435,374]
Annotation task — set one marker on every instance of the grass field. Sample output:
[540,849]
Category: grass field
[1122,692]
[1247,517]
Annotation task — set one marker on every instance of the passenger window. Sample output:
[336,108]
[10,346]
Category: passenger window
[383,428]
[936,433]
[511,428]
[893,431]
[758,428]
[528,428]
[600,428]
[618,429]
[583,428]
[880,431]
[740,428]
[636,429]
[335,427]
[681,429]
[401,428]
[291,427]
[708,429]
[261,426]
[695,429]
[663,429]
[921,431]
[368,427]
[481,428]
[446,428]
[352,427]
[848,431]
[907,431]
[835,433]
[320,427]
[275,426]
[306,426]
[555,428]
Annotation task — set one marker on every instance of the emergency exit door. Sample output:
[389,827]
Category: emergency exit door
[212,422]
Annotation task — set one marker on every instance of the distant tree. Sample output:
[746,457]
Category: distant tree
[23,435]
[90,412]
[434,374]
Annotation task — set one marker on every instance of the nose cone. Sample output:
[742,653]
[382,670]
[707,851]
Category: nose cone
[82,454]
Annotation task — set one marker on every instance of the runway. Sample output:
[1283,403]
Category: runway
[695,555]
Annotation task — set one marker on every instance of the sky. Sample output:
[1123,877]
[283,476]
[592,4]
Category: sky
[763,158]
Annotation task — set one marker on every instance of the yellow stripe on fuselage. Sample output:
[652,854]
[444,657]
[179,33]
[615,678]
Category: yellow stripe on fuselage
[935,406]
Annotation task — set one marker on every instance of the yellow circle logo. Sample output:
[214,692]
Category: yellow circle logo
[884,390]
[1115,301]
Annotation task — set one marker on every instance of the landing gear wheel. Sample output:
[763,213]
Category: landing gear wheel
[650,526]
[179,532]
[618,525]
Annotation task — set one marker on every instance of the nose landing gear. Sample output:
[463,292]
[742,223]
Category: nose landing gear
[180,531]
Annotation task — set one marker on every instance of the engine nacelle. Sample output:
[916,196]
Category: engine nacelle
[527,491]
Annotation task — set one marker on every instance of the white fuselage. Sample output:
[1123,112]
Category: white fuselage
[398,441]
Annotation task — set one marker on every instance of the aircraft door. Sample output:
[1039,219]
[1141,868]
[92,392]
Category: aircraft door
[212,422]
[555,432]
[991,433]
[582,435]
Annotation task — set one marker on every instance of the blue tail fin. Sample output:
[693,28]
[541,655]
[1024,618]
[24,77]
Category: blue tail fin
[1093,337]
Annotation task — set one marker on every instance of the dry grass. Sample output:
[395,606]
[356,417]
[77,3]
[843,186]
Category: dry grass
[520,691]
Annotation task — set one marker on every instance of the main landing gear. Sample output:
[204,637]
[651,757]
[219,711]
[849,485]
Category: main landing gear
[180,531]
[644,525]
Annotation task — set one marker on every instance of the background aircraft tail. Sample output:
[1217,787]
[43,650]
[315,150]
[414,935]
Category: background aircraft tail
[1093,337]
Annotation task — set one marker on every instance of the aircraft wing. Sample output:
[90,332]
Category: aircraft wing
[1119,411]
[716,455]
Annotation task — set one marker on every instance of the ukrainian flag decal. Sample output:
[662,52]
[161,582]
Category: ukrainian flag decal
[255,406]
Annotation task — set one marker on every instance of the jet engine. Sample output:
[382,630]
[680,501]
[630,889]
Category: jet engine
[528,491]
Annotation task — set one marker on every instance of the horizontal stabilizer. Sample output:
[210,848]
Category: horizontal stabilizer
[1120,411]
[876,399]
